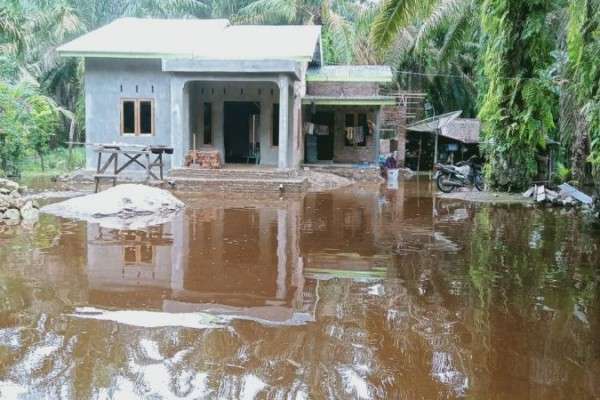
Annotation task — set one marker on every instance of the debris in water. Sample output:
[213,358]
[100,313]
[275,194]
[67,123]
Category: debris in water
[567,196]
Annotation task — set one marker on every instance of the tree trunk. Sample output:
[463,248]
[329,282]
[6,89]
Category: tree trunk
[580,150]
[71,138]
[42,161]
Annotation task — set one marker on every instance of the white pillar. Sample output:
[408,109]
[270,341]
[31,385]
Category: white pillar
[177,123]
[376,134]
[283,121]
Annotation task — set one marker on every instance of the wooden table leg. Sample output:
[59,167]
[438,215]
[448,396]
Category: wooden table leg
[160,160]
[147,166]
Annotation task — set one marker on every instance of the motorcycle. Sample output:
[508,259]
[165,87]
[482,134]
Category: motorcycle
[464,173]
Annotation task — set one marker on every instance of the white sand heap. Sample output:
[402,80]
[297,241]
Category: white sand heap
[128,206]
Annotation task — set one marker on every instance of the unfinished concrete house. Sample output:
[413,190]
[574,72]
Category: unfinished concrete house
[237,94]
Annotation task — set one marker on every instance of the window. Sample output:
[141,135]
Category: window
[207,123]
[137,117]
[145,117]
[275,130]
[355,136]
[141,254]
[128,117]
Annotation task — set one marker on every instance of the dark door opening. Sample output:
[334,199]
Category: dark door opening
[237,129]
[324,142]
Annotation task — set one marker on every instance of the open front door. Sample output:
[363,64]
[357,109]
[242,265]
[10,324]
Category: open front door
[237,127]
[324,137]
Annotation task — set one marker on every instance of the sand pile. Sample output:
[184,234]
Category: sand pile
[128,206]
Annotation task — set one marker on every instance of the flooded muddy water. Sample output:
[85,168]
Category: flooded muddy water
[364,293]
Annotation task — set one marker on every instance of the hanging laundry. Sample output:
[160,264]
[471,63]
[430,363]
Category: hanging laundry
[309,128]
[359,135]
[322,130]
[350,134]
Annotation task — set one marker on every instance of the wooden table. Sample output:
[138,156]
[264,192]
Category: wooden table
[132,154]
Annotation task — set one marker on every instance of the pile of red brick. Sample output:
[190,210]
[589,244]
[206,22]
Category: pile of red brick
[209,159]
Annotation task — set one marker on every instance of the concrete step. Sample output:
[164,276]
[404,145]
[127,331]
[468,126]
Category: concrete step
[224,184]
[228,173]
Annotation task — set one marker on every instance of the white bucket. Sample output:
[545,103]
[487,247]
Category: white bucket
[392,175]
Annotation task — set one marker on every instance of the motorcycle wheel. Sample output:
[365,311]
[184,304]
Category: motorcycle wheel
[479,184]
[442,185]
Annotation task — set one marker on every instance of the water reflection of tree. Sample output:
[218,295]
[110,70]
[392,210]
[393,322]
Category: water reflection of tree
[535,280]
[511,310]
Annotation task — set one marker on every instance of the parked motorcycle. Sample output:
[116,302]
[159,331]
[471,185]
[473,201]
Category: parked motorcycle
[464,173]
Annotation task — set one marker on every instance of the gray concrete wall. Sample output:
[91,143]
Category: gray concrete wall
[107,81]
[177,106]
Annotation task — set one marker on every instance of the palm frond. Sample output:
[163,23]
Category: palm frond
[269,11]
[442,14]
[396,15]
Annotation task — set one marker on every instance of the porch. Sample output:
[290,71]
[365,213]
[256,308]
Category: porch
[246,117]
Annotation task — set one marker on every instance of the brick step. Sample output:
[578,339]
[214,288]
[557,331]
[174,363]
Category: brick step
[232,174]
[239,185]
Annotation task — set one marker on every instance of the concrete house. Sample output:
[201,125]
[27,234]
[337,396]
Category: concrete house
[257,94]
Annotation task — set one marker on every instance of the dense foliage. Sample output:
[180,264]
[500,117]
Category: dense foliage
[516,104]
[528,69]
[531,76]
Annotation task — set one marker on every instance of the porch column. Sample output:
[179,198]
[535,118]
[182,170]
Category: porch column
[177,123]
[283,83]
[376,134]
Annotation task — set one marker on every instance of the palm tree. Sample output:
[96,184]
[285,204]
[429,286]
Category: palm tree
[437,40]
[338,18]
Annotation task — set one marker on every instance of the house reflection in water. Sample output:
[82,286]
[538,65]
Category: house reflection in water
[242,262]
[260,262]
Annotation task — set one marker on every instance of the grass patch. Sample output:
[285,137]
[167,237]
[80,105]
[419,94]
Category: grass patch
[56,162]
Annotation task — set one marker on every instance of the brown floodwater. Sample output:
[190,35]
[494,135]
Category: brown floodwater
[364,293]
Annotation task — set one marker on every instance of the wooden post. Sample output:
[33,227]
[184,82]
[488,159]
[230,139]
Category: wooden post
[419,156]
[147,165]
[435,147]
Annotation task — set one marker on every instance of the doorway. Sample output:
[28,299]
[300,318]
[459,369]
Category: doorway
[240,129]
[324,141]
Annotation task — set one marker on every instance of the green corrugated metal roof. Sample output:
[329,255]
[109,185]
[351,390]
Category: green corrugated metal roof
[350,73]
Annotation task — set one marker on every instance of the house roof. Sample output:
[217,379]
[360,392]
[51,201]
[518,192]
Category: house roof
[214,39]
[350,73]
[466,130]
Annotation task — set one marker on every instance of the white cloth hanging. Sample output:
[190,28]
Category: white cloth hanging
[322,130]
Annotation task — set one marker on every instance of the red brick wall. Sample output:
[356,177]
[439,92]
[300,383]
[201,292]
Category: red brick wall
[394,117]
[342,89]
